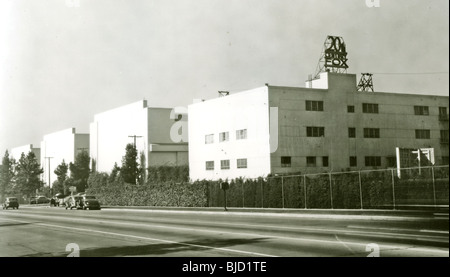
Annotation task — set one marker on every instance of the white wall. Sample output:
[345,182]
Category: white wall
[16,152]
[110,133]
[246,110]
[62,145]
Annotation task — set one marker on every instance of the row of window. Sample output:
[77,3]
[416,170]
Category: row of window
[225,164]
[370,108]
[372,133]
[423,110]
[225,136]
[312,161]
[320,132]
[318,106]
[373,161]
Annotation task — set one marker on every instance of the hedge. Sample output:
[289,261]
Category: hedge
[169,186]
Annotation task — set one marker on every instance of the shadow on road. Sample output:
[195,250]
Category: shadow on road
[158,249]
[15,224]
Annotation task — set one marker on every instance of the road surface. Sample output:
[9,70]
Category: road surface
[41,231]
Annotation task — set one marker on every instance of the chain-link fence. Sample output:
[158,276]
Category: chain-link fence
[365,189]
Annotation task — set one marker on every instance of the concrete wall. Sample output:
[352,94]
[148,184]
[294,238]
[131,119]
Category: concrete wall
[397,123]
[395,120]
[246,110]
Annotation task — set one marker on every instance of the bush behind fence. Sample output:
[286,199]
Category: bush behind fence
[377,189]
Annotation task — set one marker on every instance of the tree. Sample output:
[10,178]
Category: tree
[79,171]
[141,169]
[129,170]
[61,173]
[28,171]
[6,175]
[114,173]
[93,166]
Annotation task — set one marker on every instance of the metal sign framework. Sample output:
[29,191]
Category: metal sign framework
[333,57]
[365,83]
[223,93]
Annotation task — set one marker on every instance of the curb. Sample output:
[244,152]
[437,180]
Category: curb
[311,214]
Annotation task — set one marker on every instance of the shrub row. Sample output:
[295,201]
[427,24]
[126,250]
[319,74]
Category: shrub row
[169,187]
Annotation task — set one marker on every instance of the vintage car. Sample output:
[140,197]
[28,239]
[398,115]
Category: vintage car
[73,202]
[90,202]
[33,199]
[84,202]
[42,200]
[11,202]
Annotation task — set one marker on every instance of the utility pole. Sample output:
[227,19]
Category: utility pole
[49,183]
[134,139]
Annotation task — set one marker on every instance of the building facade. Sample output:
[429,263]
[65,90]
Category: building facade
[58,147]
[160,134]
[16,152]
[326,126]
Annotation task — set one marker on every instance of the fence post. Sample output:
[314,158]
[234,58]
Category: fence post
[331,192]
[360,189]
[434,186]
[262,193]
[393,188]
[243,194]
[304,188]
[282,191]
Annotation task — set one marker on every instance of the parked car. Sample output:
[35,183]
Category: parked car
[42,200]
[11,202]
[33,200]
[73,202]
[84,202]
[90,202]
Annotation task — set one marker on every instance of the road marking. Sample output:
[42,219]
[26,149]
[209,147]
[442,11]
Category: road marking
[434,231]
[150,239]
[398,229]
[345,245]
[386,247]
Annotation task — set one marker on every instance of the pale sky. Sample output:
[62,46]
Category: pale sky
[61,63]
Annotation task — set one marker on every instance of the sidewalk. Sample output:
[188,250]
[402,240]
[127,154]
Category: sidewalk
[438,214]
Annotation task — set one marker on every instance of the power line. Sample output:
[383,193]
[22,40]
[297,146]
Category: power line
[411,73]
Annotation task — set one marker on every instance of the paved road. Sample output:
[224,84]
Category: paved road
[44,231]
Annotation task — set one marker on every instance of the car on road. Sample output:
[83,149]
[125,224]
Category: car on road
[90,202]
[11,202]
[42,200]
[33,199]
[82,202]
[73,202]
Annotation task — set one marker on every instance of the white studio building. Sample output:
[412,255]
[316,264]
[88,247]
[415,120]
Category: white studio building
[327,125]
[229,136]
[159,133]
[16,152]
[56,147]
